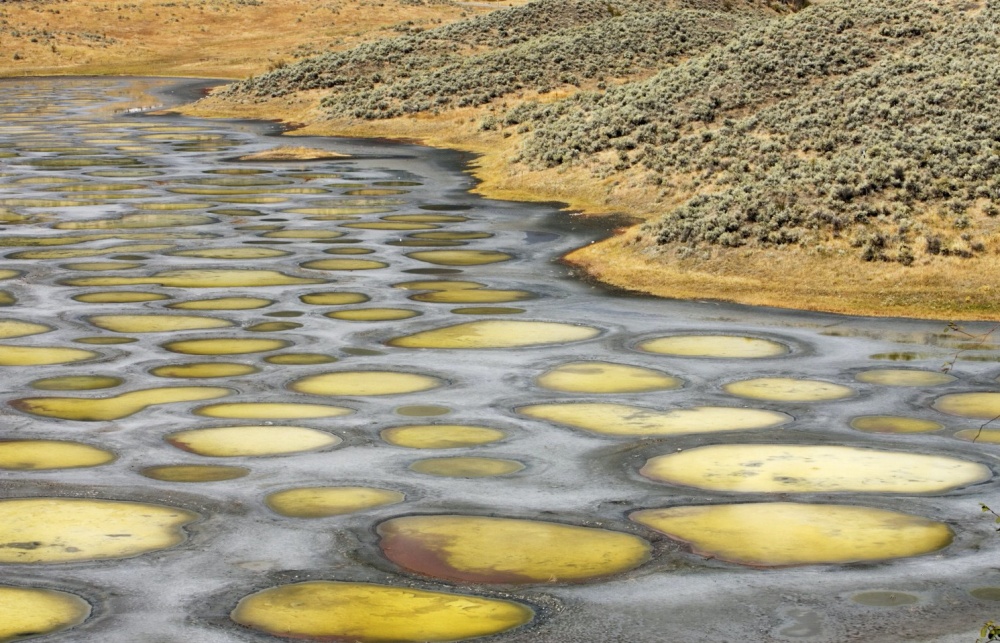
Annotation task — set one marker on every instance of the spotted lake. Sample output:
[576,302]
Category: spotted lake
[348,400]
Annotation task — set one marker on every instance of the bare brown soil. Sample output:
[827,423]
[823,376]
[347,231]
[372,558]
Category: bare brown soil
[199,38]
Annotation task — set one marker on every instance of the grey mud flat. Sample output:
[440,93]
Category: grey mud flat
[63,147]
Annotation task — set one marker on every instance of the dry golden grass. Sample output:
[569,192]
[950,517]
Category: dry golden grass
[198,38]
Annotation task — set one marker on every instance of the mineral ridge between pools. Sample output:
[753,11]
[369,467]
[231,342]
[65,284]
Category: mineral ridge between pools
[158,293]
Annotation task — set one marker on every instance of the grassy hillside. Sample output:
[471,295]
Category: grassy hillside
[206,38]
[842,157]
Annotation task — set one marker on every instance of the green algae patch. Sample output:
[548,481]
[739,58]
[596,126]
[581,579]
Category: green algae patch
[299,359]
[240,253]
[787,389]
[363,383]
[271,411]
[776,468]
[373,314]
[10,328]
[469,296]
[480,549]
[466,467]
[225,346]
[104,409]
[223,303]
[775,534]
[333,298]
[904,377]
[345,264]
[7,299]
[367,613]
[718,346]
[460,257]
[29,612]
[9,274]
[194,472]
[627,421]
[981,406]
[441,436]
[119,297]
[894,424]
[251,441]
[76,383]
[497,334]
[156,323]
[201,279]
[42,355]
[59,530]
[322,502]
[606,377]
[204,370]
[50,454]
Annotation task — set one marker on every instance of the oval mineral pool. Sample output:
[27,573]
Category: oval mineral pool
[322,502]
[30,612]
[774,534]
[982,406]
[787,389]
[466,467]
[118,297]
[400,226]
[225,346]
[364,383]
[366,613]
[251,441]
[451,236]
[333,298]
[59,530]
[103,409]
[421,410]
[240,253]
[439,284]
[50,454]
[223,303]
[497,334]
[272,327]
[201,279]
[606,377]
[460,257]
[428,218]
[10,328]
[299,359]
[194,472]
[42,355]
[105,340]
[904,377]
[99,266]
[76,383]
[778,468]
[344,264]
[487,310]
[303,234]
[156,323]
[373,314]
[441,436]
[719,346]
[480,549]
[884,599]
[271,411]
[981,436]
[204,370]
[348,251]
[894,424]
[476,296]
[624,420]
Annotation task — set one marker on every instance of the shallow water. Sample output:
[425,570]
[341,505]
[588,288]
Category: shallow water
[145,367]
